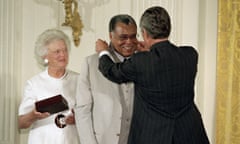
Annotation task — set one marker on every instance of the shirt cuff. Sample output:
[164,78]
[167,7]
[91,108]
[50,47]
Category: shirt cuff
[104,52]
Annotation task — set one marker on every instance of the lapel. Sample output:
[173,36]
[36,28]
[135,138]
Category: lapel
[113,55]
[121,87]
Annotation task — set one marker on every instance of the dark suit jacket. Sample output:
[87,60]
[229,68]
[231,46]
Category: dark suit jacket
[164,110]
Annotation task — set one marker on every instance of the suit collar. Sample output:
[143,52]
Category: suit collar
[160,44]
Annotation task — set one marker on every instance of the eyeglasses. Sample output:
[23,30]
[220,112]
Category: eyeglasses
[124,37]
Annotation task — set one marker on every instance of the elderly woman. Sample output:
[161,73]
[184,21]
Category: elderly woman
[51,51]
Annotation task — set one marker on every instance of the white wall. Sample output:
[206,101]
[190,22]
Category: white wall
[207,63]
[194,23]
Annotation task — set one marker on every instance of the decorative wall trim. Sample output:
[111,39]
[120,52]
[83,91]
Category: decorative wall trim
[73,20]
[10,69]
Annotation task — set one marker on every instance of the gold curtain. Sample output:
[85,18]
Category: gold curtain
[228,73]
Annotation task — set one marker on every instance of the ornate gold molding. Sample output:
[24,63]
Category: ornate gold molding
[72,19]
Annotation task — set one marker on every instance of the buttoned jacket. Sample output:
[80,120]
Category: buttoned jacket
[99,109]
[164,109]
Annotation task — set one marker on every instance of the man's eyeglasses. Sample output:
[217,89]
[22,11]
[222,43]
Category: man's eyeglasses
[124,37]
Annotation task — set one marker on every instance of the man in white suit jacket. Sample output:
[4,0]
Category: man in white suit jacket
[104,109]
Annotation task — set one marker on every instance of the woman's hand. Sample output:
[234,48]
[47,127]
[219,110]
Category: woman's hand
[25,121]
[70,119]
[38,115]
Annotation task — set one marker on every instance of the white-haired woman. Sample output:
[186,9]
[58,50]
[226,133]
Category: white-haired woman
[51,51]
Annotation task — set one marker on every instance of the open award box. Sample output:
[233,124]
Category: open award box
[52,105]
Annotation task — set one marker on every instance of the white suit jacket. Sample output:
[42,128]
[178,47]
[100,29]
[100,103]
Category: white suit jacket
[98,111]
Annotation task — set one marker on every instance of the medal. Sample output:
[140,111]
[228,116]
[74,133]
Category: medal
[60,121]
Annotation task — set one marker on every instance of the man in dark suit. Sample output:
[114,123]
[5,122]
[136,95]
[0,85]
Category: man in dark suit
[164,109]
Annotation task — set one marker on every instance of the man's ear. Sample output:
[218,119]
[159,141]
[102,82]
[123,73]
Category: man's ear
[145,33]
[111,35]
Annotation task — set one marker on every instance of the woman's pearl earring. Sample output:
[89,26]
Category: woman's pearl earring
[46,61]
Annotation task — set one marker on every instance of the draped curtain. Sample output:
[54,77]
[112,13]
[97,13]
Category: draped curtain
[228,73]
